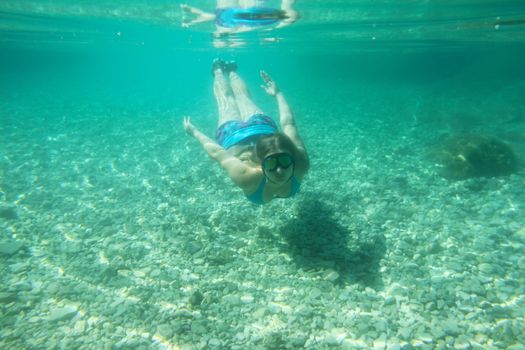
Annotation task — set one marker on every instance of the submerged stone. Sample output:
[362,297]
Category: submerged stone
[7,298]
[8,212]
[62,314]
[196,299]
[11,247]
[165,330]
[471,156]
[451,327]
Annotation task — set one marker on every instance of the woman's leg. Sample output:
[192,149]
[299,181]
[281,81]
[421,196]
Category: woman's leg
[244,103]
[201,16]
[225,99]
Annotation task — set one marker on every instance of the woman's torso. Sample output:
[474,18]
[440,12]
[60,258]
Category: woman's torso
[246,153]
[253,16]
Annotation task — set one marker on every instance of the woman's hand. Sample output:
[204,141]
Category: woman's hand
[188,126]
[269,85]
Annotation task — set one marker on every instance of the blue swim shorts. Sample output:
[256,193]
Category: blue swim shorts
[236,131]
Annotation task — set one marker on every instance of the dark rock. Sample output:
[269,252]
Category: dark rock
[471,156]
[10,247]
[8,212]
[196,299]
[6,297]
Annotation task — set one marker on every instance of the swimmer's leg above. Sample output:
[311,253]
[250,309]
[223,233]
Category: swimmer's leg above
[202,16]
[226,104]
[246,106]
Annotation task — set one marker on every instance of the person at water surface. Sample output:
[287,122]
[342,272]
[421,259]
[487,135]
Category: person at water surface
[264,162]
[238,16]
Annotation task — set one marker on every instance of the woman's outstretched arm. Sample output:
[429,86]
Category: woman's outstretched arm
[236,169]
[285,112]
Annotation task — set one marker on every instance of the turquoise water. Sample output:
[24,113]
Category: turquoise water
[118,232]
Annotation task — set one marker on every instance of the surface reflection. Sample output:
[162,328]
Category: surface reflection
[233,17]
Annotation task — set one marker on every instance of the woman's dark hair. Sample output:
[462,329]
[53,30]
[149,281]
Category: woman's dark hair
[275,143]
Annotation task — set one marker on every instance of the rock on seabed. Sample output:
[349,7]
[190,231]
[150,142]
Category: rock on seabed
[62,314]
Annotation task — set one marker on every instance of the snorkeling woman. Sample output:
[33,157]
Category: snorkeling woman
[264,162]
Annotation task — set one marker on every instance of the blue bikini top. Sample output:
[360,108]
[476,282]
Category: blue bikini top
[257,197]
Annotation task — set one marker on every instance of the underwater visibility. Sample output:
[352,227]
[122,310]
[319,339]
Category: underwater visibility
[267,174]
